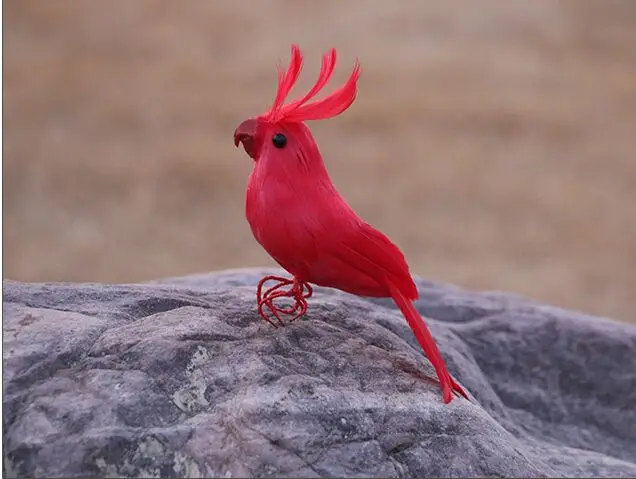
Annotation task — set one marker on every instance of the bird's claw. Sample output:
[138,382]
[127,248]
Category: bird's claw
[300,291]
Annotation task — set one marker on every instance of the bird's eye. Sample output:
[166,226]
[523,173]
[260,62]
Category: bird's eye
[279,140]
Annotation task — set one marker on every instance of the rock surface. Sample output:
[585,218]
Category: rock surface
[180,378]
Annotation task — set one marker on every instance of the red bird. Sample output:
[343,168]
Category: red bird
[300,219]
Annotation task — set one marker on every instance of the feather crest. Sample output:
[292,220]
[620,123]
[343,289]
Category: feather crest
[302,109]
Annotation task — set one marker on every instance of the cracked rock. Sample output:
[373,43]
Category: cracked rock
[180,378]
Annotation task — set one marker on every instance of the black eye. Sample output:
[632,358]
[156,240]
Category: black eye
[279,140]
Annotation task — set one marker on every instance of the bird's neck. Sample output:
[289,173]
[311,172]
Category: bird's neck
[300,172]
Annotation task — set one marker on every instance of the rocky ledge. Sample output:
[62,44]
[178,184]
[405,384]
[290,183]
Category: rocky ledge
[179,377]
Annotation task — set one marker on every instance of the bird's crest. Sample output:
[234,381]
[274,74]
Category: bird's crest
[300,110]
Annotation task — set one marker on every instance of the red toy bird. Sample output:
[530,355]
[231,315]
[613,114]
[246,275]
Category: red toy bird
[300,219]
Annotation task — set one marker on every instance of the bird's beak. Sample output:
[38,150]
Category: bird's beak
[244,134]
[238,138]
[244,131]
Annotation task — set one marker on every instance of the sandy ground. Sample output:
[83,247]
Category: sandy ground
[495,143]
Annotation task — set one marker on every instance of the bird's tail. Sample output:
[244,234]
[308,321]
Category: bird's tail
[424,337]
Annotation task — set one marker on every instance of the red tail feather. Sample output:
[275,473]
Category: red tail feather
[427,342]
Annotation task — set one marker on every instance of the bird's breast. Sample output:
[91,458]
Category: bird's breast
[287,224]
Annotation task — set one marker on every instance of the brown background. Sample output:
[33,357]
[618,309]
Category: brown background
[493,141]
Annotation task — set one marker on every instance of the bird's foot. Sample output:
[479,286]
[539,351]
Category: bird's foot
[300,291]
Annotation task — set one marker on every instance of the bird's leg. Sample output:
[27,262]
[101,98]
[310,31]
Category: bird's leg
[265,299]
[300,291]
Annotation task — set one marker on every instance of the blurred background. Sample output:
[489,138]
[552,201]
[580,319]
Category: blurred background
[494,142]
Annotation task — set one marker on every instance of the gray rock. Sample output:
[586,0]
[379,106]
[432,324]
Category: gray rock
[180,378]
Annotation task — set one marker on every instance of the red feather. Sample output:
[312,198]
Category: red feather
[300,219]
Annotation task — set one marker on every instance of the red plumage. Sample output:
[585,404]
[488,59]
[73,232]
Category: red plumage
[300,219]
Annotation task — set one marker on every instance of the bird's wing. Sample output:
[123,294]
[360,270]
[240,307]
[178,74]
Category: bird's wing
[361,260]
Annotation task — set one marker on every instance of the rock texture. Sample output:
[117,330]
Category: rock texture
[180,378]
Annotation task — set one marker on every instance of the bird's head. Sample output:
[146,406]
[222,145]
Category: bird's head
[280,132]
